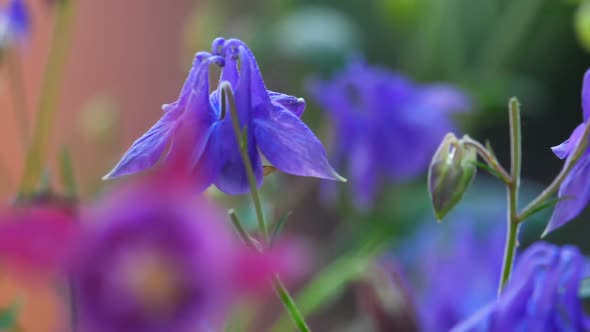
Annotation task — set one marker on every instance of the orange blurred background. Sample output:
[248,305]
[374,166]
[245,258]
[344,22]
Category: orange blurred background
[125,61]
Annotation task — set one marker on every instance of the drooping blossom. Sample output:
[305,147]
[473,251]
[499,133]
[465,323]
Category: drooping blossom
[574,192]
[542,295]
[386,126]
[14,23]
[453,268]
[270,120]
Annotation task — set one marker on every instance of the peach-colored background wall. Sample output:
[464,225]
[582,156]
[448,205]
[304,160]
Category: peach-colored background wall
[126,60]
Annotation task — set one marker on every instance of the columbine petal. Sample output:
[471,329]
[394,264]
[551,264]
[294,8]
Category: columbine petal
[564,149]
[573,194]
[232,178]
[445,98]
[195,125]
[291,146]
[586,95]
[365,178]
[291,103]
[148,149]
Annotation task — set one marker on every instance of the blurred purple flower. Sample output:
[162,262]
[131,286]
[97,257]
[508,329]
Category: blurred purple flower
[453,269]
[542,295]
[14,23]
[387,127]
[574,192]
[270,119]
[157,259]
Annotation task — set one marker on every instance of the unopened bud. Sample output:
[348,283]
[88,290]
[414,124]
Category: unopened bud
[451,171]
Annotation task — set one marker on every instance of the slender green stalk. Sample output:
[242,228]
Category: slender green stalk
[282,292]
[247,162]
[37,151]
[489,158]
[554,186]
[512,189]
[19,99]
[290,305]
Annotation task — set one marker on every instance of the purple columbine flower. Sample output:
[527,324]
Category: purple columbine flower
[270,120]
[386,126]
[452,269]
[155,258]
[14,23]
[574,192]
[542,295]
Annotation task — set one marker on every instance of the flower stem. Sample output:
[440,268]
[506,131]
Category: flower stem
[282,292]
[243,144]
[489,158]
[290,305]
[48,102]
[512,189]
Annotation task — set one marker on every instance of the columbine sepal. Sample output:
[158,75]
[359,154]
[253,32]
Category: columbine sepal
[451,171]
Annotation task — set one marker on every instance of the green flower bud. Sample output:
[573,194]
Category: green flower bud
[451,171]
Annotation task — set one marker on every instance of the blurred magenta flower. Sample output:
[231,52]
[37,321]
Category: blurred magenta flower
[157,258]
[574,192]
[453,268]
[14,23]
[386,126]
[270,120]
[542,294]
[150,257]
[37,242]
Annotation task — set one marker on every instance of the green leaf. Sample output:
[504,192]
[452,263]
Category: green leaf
[279,227]
[330,282]
[545,205]
[8,317]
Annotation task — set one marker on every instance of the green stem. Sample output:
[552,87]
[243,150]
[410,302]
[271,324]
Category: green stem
[37,151]
[554,186]
[512,189]
[489,158]
[282,292]
[290,305]
[243,144]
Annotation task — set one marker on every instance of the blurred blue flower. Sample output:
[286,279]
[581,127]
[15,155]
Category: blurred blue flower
[270,120]
[542,294]
[453,268]
[386,126]
[14,23]
[574,192]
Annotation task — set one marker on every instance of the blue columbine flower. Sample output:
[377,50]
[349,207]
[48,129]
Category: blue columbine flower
[574,193]
[453,269]
[387,127]
[14,23]
[541,296]
[270,120]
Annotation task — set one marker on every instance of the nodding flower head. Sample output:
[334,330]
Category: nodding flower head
[201,122]
[574,192]
[542,294]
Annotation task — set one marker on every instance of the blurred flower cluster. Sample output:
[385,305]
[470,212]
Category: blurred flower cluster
[386,126]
